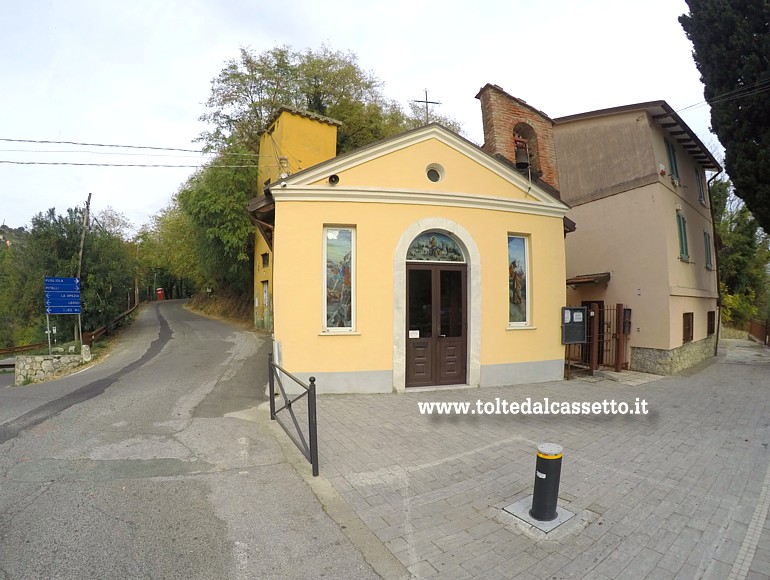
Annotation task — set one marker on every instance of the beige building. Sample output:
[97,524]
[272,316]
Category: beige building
[636,180]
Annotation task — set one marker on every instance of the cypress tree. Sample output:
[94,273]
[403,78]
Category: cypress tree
[731,48]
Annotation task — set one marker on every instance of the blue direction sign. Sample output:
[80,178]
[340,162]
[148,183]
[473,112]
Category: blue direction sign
[62,284]
[52,295]
[54,302]
[62,309]
[62,295]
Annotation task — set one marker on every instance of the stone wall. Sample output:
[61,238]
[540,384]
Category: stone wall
[36,369]
[667,362]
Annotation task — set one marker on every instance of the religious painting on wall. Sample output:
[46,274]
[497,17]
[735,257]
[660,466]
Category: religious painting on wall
[338,252]
[434,247]
[517,280]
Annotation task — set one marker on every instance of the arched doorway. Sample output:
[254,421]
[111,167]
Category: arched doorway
[436,311]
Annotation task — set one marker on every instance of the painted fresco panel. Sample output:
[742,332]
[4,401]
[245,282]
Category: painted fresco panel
[434,247]
[517,280]
[339,276]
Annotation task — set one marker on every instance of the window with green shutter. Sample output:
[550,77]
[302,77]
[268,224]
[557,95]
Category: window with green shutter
[707,245]
[672,165]
[701,187]
[681,223]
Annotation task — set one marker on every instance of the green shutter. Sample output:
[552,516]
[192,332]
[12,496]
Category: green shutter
[707,244]
[682,227]
[701,189]
[672,166]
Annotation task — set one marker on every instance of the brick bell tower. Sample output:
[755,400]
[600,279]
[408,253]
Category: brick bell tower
[520,133]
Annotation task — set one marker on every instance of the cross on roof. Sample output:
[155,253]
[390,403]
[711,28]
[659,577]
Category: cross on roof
[426,102]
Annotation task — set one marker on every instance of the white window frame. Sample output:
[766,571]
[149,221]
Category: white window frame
[353,272]
[527,322]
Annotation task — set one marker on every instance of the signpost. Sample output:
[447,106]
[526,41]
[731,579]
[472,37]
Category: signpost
[62,296]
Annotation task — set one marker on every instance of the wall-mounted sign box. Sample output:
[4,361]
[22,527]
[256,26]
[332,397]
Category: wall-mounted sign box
[574,325]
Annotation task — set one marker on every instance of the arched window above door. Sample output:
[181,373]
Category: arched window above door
[434,247]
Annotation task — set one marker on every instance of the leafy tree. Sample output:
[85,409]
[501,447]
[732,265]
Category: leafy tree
[107,282]
[52,248]
[114,222]
[249,90]
[744,255]
[167,252]
[731,41]
[214,202]
[205,235]
[12,243]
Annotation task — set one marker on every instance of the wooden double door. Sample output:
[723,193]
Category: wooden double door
[436,324]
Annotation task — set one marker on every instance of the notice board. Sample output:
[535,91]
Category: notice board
[574,325]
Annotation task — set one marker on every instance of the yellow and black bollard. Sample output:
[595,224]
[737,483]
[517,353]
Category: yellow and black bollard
[547,474]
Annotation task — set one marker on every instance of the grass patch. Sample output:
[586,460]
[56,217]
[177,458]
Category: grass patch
[235,308]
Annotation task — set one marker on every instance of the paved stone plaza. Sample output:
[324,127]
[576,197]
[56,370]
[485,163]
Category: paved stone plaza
[682,492]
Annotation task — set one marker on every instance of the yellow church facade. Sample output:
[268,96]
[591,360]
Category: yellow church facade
[418,261]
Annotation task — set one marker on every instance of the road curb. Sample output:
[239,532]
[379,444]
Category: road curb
[382,560]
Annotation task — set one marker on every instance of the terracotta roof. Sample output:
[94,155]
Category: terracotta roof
[302,113]
[582,279]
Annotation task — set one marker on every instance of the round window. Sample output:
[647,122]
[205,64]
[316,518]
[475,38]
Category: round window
[434,172]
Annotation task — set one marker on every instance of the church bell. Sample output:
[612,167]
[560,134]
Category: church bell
[522,158]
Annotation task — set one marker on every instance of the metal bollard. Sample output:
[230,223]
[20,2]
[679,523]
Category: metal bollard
[547,474]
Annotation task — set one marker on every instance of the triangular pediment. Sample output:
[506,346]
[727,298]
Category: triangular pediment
[426,165]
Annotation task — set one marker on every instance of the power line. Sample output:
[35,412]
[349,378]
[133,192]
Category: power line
[150,147]
[744,91]
[8,162]
[101,153]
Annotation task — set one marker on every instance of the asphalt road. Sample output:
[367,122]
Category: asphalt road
[136,468]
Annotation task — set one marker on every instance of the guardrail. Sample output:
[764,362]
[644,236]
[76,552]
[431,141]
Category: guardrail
[88,338]
[91,336]
[17,349]
[308,446]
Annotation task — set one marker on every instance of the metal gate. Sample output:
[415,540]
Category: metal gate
[607,339]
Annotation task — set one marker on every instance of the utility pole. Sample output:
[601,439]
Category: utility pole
[83,235]
[79,330]
[136,277]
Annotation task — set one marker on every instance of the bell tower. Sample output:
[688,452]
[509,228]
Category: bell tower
[518,132]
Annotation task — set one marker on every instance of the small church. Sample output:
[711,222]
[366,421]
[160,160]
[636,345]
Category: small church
[419,261]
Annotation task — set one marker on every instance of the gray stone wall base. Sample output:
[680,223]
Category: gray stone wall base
[667,362]
[35,369]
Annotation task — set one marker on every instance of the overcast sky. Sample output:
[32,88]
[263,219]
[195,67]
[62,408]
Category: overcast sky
[139,72]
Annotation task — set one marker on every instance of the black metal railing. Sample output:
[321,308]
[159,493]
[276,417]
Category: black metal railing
[307,445]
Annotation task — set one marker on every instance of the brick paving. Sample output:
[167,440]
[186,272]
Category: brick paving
[677,493]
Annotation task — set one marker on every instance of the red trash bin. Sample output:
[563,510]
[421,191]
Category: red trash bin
[161,294]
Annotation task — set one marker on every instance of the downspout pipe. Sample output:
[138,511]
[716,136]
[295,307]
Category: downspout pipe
[718,320]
